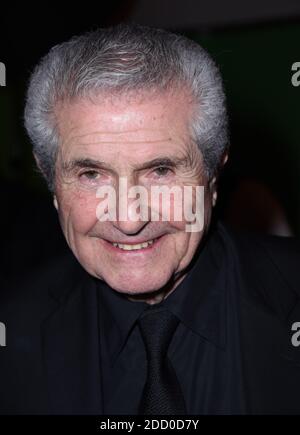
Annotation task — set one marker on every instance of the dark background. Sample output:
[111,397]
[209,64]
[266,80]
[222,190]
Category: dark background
[255,44]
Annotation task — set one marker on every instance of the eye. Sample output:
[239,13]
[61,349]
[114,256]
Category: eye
[162,171]
[89,175]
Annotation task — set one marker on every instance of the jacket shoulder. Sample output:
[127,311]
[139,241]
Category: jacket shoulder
[29,295]
[270,252]
[269,267]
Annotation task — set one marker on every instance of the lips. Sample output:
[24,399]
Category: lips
[131,247]
[145,246]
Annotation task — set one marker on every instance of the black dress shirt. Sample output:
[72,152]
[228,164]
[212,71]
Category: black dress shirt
[204,351]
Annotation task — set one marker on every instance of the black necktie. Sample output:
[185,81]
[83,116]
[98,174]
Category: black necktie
[162,394]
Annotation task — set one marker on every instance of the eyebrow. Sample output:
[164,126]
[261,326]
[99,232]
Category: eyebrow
[163,161]
[98,164]
[83,163]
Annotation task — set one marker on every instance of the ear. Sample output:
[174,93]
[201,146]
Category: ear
[55,202]
[37,161]
[41,170]
[213,181]
[225,158]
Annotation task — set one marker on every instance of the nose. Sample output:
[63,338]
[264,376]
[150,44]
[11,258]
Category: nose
[129,228]
[132,218]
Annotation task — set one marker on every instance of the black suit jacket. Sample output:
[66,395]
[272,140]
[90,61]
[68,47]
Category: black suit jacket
[49,364]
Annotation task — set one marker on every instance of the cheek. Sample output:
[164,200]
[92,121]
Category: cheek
[183,248]
[190,211]
[169,207]
[78,212]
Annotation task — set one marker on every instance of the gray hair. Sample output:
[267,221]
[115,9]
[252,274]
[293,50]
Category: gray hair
[121,59]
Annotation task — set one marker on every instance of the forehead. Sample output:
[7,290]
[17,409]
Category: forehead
[122,124]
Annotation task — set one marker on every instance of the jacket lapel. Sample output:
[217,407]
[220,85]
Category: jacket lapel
[71,349]
[271,364]
[269,308]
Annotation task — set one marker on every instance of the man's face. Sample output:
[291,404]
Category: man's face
[147,142]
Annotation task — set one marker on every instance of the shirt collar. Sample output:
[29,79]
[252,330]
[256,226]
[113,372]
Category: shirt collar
[118,316]
[198,301]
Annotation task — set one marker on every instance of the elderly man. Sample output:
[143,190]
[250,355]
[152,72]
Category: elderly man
[151,313]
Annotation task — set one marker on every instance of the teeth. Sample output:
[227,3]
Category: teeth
[133,247]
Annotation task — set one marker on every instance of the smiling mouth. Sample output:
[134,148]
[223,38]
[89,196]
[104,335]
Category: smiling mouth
[135,247]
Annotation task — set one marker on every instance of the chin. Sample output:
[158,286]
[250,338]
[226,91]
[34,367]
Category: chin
[136,286]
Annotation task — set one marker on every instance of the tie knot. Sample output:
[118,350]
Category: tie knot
[157,326]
